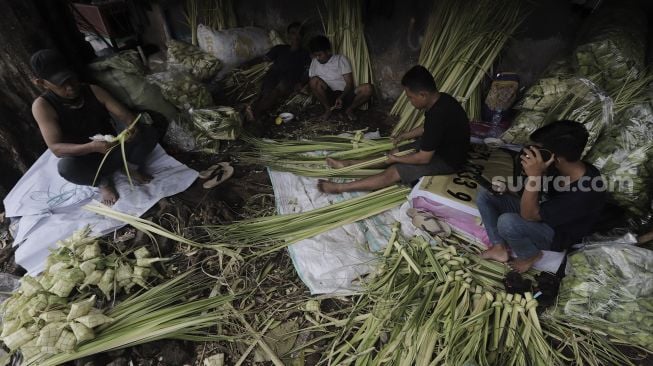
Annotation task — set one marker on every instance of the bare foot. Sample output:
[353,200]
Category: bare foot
[140,176]
[498,253]
[351,116]
[336,164]
[522,265]
[249,114]
[109,194]
[327,186]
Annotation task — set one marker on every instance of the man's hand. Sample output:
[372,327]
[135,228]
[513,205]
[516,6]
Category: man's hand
[533,164]
[100,146]
[391,158]
[397,139]
[338,103]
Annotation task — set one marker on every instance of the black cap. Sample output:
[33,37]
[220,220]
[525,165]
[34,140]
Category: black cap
[50,65]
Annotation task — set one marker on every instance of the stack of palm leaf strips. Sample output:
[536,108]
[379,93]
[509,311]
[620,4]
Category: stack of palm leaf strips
[444,305]
[270,233]
[430,305]
[461,42]
[243,85]
[175,309]
[307,157]
[344,27]
[217,14]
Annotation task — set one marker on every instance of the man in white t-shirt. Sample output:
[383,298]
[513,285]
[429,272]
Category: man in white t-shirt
[332,81]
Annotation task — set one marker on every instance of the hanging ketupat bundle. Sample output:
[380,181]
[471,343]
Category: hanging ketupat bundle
[461,42]
[191,58]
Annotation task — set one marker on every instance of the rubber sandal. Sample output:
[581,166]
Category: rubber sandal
[206,174]
[224,172]
[432,225]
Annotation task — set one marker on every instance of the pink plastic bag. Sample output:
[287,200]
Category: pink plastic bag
[458,220]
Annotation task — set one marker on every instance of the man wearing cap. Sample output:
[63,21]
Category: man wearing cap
[69,113]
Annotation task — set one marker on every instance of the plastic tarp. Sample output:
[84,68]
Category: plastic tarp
[49,208]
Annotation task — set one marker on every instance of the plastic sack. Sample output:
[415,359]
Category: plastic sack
[192,59]
[614,46]
[123,75]
[624,153]
[609,288]
[233,46]
[181,89]
[219,123]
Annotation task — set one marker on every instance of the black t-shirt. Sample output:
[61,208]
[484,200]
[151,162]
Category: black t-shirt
[573,209]
[290,64]
[446,131]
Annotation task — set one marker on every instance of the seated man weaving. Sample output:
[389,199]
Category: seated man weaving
[70,113]
[557,207]
[442,146]
[332,81]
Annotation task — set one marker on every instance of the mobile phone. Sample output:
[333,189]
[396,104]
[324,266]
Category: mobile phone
[483,182]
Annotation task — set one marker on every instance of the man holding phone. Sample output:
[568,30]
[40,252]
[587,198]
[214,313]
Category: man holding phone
[562,198]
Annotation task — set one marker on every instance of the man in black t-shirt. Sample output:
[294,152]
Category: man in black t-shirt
[441,148]
[557,207]
[289,72]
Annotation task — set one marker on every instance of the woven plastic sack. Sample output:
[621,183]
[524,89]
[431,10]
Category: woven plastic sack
[192,59]
[181,89]
[614,46]
[233,46]
[609,288]
[123,76]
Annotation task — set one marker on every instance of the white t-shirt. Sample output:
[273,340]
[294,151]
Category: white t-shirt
[331,72]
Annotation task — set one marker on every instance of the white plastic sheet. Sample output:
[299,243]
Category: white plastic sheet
[49,208]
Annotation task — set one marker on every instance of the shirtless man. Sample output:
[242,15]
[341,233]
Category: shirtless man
[69,113]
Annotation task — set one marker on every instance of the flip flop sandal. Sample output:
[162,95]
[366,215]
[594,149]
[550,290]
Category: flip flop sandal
[206,174]
[224,172]
[412,212]
[432,225]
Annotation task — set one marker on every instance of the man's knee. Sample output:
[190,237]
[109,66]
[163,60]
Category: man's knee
[72,171]
[365,90]
[510,224]
[316,83]
[483,197]
[391,174]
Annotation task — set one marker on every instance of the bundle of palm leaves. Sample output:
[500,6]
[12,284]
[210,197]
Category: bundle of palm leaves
[461,42]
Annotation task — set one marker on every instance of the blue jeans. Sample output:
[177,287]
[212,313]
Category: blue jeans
[504,225]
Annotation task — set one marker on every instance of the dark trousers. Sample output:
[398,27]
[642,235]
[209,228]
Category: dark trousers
[82,169]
